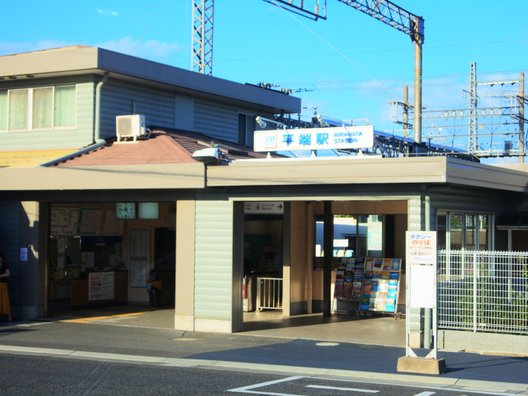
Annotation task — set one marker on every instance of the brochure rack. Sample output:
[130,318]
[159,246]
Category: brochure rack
[373,285]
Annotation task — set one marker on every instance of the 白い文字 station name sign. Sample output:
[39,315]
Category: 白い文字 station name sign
[346,137]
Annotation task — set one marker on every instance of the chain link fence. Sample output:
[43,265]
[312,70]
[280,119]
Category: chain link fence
[483,291]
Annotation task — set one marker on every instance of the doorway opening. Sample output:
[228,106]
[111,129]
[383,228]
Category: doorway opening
[263,265]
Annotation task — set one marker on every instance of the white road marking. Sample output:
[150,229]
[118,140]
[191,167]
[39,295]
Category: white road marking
[33,324]
[343,389]
[425,394]
[249,388]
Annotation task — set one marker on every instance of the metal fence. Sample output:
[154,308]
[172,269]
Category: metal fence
[269,293]
[483,291]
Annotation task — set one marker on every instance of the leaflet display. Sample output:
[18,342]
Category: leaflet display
[372,284]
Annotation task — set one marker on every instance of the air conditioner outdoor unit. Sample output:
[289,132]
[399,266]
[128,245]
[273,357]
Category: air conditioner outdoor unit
[130,126]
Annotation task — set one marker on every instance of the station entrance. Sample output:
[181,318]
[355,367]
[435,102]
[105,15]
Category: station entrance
[367,272]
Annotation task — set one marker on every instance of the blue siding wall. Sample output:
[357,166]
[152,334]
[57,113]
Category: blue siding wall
[119,98]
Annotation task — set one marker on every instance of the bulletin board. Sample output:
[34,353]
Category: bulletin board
[139,269]
[139,266]
[64,221]
[90,221]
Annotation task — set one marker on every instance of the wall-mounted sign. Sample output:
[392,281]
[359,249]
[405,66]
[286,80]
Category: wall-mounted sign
[264,207]
[346,137]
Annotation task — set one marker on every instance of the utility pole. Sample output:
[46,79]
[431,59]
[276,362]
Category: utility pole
[473,102]
[521,100]
[405,107]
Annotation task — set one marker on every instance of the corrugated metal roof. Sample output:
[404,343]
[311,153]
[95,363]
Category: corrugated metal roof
[31,158]
[79,60]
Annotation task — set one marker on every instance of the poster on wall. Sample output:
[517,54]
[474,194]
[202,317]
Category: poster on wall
[111,224]
[101,286]
[90,221]
[138,243]
[138,272]
[64,221]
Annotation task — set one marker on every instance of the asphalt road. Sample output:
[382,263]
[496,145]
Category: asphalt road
[80,357]
[31,375]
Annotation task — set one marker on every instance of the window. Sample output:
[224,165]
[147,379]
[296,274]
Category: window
[64,106]
[3,110]
[459,230]
[357,236]
[42,107]
[37,108]
[246,128]
[18,109]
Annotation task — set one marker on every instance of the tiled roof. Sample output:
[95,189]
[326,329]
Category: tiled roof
[162,146]
[31,158]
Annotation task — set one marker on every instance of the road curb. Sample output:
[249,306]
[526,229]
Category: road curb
[362,376]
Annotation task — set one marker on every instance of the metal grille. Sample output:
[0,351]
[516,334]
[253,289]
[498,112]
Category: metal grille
[269,293]
[483,291]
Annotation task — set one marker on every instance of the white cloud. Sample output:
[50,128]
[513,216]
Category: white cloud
[150,49]
[107,12]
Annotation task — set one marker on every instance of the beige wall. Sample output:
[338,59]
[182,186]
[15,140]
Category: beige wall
[184,300]
[299,265]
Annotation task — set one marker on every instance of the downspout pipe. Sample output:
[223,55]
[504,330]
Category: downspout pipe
[97,124]
[97,141]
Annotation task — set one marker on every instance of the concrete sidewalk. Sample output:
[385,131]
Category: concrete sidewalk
[103,340]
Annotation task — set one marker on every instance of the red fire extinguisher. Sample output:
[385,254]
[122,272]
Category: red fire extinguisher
[244,287]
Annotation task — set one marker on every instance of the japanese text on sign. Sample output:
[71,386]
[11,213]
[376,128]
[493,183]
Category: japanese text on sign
[314,138]
[421,247]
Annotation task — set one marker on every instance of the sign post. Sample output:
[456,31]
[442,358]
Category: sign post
[421,259]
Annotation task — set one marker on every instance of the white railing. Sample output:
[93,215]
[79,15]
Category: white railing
[269,293]
[483,291]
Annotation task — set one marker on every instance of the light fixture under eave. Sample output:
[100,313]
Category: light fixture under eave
[210,156]
[261,123]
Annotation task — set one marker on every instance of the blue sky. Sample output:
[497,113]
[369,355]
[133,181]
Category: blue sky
[350,65]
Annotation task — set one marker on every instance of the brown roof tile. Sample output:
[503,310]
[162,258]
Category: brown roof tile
[163,146]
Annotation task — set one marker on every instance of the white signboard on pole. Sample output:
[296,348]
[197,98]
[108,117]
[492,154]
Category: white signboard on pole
[421,265]
[421,261]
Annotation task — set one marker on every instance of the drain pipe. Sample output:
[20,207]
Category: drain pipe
[96,136]
[97,124]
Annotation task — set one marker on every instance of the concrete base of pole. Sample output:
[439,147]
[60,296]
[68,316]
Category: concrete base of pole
[421,365]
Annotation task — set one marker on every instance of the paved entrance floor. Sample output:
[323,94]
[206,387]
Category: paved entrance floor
[368,330]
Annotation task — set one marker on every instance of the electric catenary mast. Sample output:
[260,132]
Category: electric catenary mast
[202,36]
[383,10]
